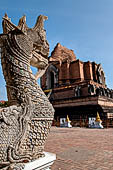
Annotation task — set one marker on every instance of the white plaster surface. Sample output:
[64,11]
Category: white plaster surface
[42,163]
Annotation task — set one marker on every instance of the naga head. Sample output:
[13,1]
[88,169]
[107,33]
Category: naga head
[35,37]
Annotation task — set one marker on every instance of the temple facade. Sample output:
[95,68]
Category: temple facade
[76,88]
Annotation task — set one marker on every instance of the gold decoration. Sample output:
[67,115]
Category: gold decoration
[67,119]
[98,118]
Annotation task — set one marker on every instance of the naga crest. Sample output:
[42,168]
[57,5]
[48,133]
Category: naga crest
[35,37]
[25,124]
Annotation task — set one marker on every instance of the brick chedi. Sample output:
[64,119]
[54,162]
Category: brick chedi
[62,54]
[78,88]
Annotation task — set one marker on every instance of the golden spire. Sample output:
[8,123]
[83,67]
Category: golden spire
[67,119]
[98,118]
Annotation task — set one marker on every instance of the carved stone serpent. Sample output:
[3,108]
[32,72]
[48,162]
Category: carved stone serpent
[24,125]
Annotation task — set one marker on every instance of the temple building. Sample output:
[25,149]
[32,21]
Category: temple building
[76,88]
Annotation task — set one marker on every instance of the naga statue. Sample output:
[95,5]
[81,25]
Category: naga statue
[25,124]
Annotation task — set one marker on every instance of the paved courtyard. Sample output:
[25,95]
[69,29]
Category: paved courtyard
[81,148]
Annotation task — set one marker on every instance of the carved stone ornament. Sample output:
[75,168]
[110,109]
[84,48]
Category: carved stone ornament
[25,124]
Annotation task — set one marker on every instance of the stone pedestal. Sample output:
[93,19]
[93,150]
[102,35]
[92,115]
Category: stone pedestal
[99,125]
[68,124]
[44,163]
[65,123]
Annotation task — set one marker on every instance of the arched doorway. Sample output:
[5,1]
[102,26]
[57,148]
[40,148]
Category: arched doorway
[51,77]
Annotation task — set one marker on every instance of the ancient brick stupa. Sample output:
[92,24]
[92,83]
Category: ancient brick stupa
[78,88]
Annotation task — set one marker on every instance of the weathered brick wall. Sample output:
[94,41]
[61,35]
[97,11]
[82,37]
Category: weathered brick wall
[88,74]
[74,70]
[61,53]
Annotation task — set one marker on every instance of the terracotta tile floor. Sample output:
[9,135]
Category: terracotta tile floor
[81,148]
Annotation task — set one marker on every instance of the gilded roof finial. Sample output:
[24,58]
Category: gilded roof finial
[67,119]
[98,118]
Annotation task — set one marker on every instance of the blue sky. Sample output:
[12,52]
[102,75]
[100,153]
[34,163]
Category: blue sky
[86,26]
